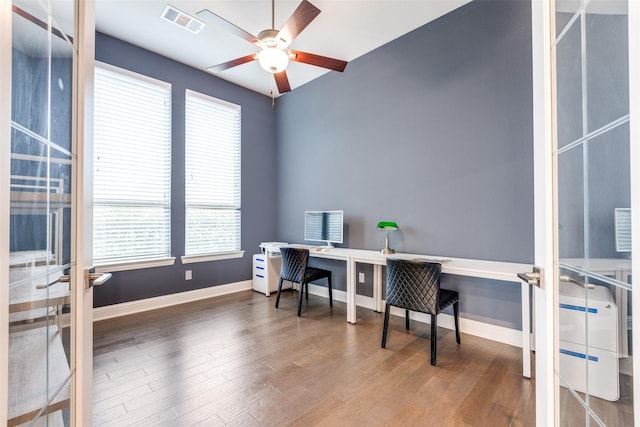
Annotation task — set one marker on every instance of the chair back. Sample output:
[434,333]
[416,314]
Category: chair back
[294,264]
[414,285]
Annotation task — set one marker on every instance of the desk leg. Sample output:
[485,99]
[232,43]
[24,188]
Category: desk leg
[377,287]
[351,290]
[526,328]
[620,297]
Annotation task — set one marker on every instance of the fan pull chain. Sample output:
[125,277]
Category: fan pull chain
[273,99]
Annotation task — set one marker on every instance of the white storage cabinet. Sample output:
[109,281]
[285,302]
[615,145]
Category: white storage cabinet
[598,346]
[266,268]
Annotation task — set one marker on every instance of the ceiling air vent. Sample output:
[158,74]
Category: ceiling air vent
[182,19]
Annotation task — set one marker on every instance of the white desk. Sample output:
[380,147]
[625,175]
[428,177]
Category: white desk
[504,271]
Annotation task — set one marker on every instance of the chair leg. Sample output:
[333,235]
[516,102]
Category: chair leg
[306,285]
[330,296]
[278,295]
[406,319]
[385,325]
[455,318]
[300,298]
[434,338]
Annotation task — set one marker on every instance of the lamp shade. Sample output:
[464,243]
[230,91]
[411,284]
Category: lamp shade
[273,60]
[387,225]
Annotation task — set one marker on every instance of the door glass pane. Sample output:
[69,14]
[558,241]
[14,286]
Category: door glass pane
[593,187]
[40,215]
[607,68]
[565,11]
[569,76]
[571,204]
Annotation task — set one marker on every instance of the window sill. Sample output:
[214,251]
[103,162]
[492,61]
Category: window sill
[135,265]
[190,259]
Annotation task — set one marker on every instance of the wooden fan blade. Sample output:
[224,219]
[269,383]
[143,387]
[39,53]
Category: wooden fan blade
[234,63]
[298,21]
[282,81]
[317,60]
[212,18]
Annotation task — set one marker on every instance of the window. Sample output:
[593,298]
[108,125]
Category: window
[212,175]
[132,167]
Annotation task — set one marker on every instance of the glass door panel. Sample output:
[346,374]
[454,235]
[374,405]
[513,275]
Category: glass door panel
[40,212]
[606,63]
[593,190]
[569,72]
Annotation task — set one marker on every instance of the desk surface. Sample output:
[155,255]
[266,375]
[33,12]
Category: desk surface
[495,270]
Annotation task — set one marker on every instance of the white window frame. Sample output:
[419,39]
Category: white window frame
[228,197]
[122,200]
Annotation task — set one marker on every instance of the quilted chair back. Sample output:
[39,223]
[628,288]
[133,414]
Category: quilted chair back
[413,285]
[294,264]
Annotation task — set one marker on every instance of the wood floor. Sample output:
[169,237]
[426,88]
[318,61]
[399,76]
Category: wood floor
[236,360]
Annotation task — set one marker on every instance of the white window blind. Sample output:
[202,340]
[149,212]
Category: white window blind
[212,175]
[132,167]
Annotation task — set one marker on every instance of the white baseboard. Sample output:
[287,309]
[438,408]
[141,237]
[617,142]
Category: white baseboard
[341,296]
[126,308]
[472,327]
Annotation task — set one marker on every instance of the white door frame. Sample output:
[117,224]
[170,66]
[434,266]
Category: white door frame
[82,246]
[5,179]
[543,114]
[634,137]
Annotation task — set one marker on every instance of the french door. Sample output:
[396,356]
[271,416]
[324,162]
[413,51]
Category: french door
[586,341]
[593,250]
[46,304]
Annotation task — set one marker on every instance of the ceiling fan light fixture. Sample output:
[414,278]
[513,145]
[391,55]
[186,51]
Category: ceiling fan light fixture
[273,59]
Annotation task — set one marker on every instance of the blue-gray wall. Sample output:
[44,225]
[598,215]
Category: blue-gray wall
[433,131]
[258,177]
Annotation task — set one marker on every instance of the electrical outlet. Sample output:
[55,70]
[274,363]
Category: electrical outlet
[361,277]
[187,275]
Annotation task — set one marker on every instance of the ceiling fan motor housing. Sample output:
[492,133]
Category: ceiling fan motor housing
[273,55]
[270,39]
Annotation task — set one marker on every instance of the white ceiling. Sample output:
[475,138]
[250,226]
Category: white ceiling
[345,29]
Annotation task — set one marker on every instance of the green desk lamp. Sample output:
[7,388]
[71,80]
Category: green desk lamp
[388,226]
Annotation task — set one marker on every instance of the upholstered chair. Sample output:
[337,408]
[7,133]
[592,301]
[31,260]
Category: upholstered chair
[415,286]
[295,269]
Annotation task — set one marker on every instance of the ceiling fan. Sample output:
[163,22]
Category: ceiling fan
[274,54]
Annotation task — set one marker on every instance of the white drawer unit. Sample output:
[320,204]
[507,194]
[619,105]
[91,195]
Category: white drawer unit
[266,268]
[260,273]
[589,335]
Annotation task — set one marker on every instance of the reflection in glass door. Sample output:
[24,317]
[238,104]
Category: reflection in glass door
[594,308]
[40,376]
